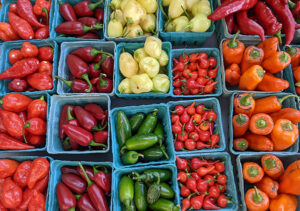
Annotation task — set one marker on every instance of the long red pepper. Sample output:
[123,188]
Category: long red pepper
[85,8]
[102,178]
[15,102]
[12,123]
[95,110]
[63,119]
[21,26]
[85,119]
[77,85]
[76,28]
[24,9]
[65,197]
[9,143]
[88,53]
[66,10]
[107,66]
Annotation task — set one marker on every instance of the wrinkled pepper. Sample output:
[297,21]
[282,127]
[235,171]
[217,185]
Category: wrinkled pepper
[252,56]
[244,104]
[291,114]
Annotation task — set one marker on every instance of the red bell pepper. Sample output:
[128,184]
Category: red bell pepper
[18,85]
[25,11]
[66,10]
[39,170]
[21,26]
[65,197]
[37,108]
[86,8]
[89,53]
[11,194]
[95,110]
[15,102]
[105,85]
[40,81]
[76,28]
[12,123]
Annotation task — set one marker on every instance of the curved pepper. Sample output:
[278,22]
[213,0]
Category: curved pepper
[11,194]
[74,182]
[259,142]
[85,119]
[269,46]
[76,28]
[270,83]
[86,8]
[40,81]
[269,186]
[42,8]
[7,167]
[25,10]
[7,29]
[21,26]
[39,169]
[84,203]
[9,143]
[88,53]
[22,173]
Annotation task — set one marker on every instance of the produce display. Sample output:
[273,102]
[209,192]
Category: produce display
[26,21]
[31,68]
[84,188]
[255,67]
[24,184]
[294,52]
[262,124]
[149,190]
[272,185]
[202,184]
[193,127]
[141,137]
[186,15]
[83,128]
[145,70]
[82,20]
[23,123]
[132,18]
[259,17]
[91,71]
[194,74]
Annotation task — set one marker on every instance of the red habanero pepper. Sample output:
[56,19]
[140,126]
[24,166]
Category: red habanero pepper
[181,163]
[89,53]
[76,28]
[85,8]
[202,171]
[7,168]
[36,126]
[15,102]
[88,35]
[39,169]
[12,123]
[38,202]
[21,26]
[25,11]
[99,14]
[63,119]
[40,81]
[95,110]
[65,197]
[42,33]
[84,203]
[29,50]
[21,174]
[37,108]
[102,178]
[15,55]
[11,194]
[18,85]
[79,69]
[66,10]
[21,69]
[46,53]
[77,85]
[248,26]
[42,8]
[85,119]
[9,143]
[105,85]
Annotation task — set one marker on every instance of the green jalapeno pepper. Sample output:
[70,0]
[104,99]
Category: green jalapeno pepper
[131,157]
[149,123]
[159,131]
[140,142]
[151,175]
[155,153]
[126,191]
[136,121]
[123,128]
[140,192]
[164,205]
[166,191]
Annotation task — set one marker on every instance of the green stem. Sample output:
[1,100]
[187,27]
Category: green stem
[97,129]
[255,53]
[292,5]
[252,172]
[85,175]
[240,119]
[245,100]
[95,144]
[287,126]
[270,163]
[70,117]
[95,5]
[68,83]
[42,98]
[257,197]
[46,12]
[85,77]
[96,171]
[278,35]
[95,52]
[261,123]
[280,100]
[233,43]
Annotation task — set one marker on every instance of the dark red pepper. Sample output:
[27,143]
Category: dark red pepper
[102,178]
[77,85]
[99,14]
[89,35]
[86,8]
[84,203]
[95,110]
[66,10]
[88,53]
[88,21]
[65,197]
[76,28]
[85,119]
[74,182]
[88,170]
[107,66]
[63,119]
[25,11]
[17,85]
[105,85]
[101,137]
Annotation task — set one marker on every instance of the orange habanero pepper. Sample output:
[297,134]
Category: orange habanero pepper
[272,166]
[270,83]
[259,142]
[256,200]
[269,186]
[290,180]
[284,202]
[252,172]
[269,46]
[261,124]
[277,62]
[244,104]
[233,74]
[252,56]
[294,52]
[233,50]
[251,78]
[240,123]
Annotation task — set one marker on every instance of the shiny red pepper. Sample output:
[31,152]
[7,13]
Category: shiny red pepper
[46,53]
[37,108]
[7,168]
[85,119]
[88,53]
[15,102]
[65,197]
[101,137]
[2,127]
[42,33]
[88,35]
[66,10]
[36,141]
[38,202]
[12,123]
[9,143]
[77,85]
[25,11]
[74,183]
[86,8]
[88,171]
[40,81]
[63,119]
[84,203]
[18,85]
[99,14]
[42,184]
[11,194]
[36,126]
[76,28]
[95,110]
[102,178]
[105,85]
[39,169]
[88,21]
[107,66]
[42,8]
[21,174]
[21,26]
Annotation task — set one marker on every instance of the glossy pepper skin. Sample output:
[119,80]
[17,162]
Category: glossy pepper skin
[7,168]
[36,126]
[75,28]
[18,85]
[284,202]
[233,50]
[63,119]
[289,182]
[84,203]
[251,78]
[21,26]
[9,143]
[12,123]
[77,85]
[11,194]
[257,199]
[66,10]
[22,173]
[240,124]
[15,102]
[78,134]
[37,108]
[95,110]
[39,170]
[65,197]
[102,178]
[74,182]
[233,74]
[269,46]
[25,10]
[86,8]
[85,119]
[269,186]
[259,142]
[287,113]
[252,56]
[270,83]
[89,53]
[40,81]
[277,62]
[105,85]
[8,31]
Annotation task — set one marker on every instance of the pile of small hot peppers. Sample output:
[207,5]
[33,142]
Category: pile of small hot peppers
[26,21]
[82,20]
[148,190]
[24,184]
[84,188]
[82,128]
[91,71]
[31,68]
[193,127]
[141,137]
[22,122]
[202,184]
[194,74]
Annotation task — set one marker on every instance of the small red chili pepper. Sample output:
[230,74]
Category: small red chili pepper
[212,62]
[25,10]
[77,85]
[46,68]
[191,109]
[15,102]
[39,169]
[85,119]
[86,8]
[66,10]
[191,184]
[182,177]
[15,55]
[21,26]
[184,191]
[21,174]
[179,67]
[105,85]
[42,33]
[220,167]
[192,84]
[46,53]
[209,205]
[181,163]
[29,50]
[211,127]
[84,203]
[36,126]
[37,108]
[13,8]
[88,21]
[186,204]
[75,28]
[200,145]
[177,91]
[202,185]
[63,119]
[213,73]
[210,88]
[197,201]
[36,141]
[190,144]
[96,110]
[189,127]
[202,171]
[42,8]
[194,136]
[18,85]
[179,109]
[215,138]
[38,202]
[101,137]
[202,72]
[89,53]
[186,73]
[184,118]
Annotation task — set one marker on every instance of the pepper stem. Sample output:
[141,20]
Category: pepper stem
[123,149]
[185,12]
[260,72]
[283,57]
[291,50]
[27,125]
[261,123]
[102,82]
[245,100]
[97,129]
[163,149]
[95,144]
[42,98]
[96,171]
[242,144]
[162,10]
[70,117]
[46,12]
[270,163]
[257,197]
[278,35]
[240,119]
[95,5]
[85,175]
[233,43]
[252,172]
[155,112]
[85,77]
[95,52]
[68,83]
[72,209]
[255,53]
[1,102]
[280,100]
[77,196]
[292,5]
[287,126]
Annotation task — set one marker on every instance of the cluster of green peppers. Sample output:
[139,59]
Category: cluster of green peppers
[140,136]
[149,190]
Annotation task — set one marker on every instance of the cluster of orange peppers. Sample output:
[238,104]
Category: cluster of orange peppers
[262,124]
[294,52]
[274,188]
[254,67]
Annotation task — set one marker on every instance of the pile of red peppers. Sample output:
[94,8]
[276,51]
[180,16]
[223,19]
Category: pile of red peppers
[82,20]
[91,71]
[84,188]
[24,184]
[26,21]
[31,68]
[22,122]
[83,128]
[257,17]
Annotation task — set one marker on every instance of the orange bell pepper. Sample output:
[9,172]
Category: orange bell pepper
[269,46]
[251,78]
[259,142]
[291,114]
[269,186]
[277,62]
[244,104]
[257,200]
[252,172]
[298,90]
[233,51]
[294,52]
[270,83]
[290,180]
[261,124]
[233,74]
[252,56]
[240,123]
[284,202]
[284,134]
[272,166]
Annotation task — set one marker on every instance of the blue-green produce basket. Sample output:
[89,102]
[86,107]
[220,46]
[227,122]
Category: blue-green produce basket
[33,96]
[58,19]
[127,171]
[231,190]
[63,69]
[211,52]
[54,144]
[163,117]
[288,103]
[51,172]
[131,47]
[286,158]
[56,178]
[184,38]
[5,64]
[218,127]
[108,11]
